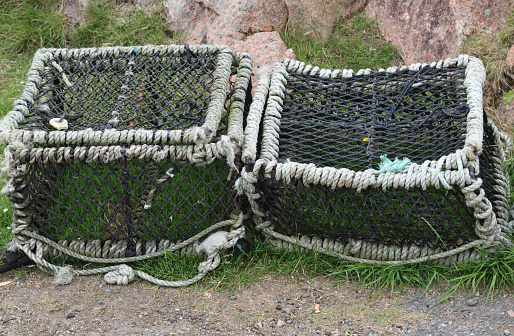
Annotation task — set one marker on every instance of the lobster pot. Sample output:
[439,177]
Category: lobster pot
[389,165]
[125,151]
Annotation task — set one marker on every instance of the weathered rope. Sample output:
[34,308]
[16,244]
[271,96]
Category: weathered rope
[373,253]
[18,155]
[415,176]
[251,131]
[366,252]
[195,154]
[502,206]
[475,78]
[122,274]
[239,96]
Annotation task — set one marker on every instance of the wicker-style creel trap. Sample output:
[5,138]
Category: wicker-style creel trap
[390,166]
[118,154]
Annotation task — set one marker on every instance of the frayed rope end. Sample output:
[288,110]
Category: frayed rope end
[64,275]
[395,166]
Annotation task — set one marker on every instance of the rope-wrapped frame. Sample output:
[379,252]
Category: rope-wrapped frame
[134,95]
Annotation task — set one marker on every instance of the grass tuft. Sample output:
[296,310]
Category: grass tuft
[5,220]
[104,26]
[507,34]
[492,50]
[356,43]
[494,272]
[31,24]
[238,269]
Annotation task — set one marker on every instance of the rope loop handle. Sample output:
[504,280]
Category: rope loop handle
[123,274]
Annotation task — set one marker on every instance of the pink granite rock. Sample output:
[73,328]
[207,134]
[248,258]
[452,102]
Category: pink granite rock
[510,57]
[320,16]
[211,21]
[428,30]
[424,30]
[505,114]
[265,48]
[243,25]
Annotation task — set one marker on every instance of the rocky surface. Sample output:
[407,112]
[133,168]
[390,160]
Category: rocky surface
[505,114]
[428,30]
[510,58]
[265,48]
[215,21]
[30,305]
[424,30]
[243,25]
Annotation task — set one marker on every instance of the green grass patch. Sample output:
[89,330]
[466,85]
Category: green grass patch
[13,74]
[27,25]
[31,24]
[238,269]
[492,49]
[5,220]
[356,43]
[494,273]
[104,26]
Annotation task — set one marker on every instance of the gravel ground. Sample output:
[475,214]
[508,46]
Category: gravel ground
[276,306]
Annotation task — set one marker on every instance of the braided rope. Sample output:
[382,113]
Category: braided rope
[502,205]
[195,135]
[475,78]
[416,176]
[373,253]
[238,98]
[366,252]
[251,132]
[195,154]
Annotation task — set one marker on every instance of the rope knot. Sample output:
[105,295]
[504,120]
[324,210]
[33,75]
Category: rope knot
[122,275]
[215,242]
[64,275]
[228,146]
